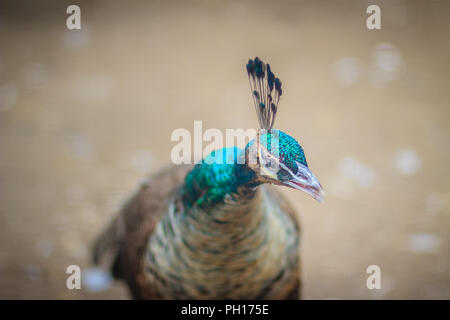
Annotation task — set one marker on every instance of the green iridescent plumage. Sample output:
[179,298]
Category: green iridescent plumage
[288,149]
[216,176]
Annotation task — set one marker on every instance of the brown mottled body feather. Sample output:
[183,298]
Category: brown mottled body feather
[123,244]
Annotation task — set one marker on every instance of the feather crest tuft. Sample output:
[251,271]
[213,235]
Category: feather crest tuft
[262,83]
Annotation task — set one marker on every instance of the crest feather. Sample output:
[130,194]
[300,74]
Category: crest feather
[262,83]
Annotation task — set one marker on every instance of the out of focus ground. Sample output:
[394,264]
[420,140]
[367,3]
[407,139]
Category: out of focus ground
[86,114]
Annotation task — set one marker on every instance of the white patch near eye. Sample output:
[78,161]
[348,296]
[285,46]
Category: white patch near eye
[288,171]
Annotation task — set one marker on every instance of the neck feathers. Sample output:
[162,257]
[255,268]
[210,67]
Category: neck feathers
[213,254]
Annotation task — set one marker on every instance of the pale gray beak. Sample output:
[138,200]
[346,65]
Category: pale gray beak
[304,180]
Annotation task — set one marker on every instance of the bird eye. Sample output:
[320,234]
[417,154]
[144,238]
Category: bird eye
[283,175]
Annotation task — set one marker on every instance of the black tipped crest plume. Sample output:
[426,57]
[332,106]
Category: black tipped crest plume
[263,82]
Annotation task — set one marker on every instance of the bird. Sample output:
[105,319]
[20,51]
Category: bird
[220,228]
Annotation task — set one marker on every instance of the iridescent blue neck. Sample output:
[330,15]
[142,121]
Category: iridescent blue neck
[220,174]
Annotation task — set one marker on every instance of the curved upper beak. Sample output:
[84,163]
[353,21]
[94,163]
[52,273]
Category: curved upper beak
[304,180]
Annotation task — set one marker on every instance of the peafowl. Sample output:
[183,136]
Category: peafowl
[217,229]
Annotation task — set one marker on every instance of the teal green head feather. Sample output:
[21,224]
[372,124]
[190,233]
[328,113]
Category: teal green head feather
[272,157]
[277,158]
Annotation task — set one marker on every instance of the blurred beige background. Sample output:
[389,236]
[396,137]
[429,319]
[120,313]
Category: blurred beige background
[86,114]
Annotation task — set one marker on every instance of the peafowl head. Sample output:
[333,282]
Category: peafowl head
[274,156]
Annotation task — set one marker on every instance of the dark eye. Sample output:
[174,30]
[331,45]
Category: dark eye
[283,175]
